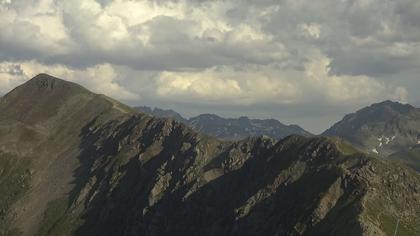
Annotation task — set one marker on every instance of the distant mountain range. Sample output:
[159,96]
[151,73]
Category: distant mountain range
[77,163]
[389,129]
[230,128]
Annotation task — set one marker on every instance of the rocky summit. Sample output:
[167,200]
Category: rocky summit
[77,163]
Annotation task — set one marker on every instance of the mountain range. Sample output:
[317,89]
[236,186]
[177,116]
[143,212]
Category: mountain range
[77,163]
[389,129]
[230,128]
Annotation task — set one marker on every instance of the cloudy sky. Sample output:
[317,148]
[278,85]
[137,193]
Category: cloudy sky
[305,62]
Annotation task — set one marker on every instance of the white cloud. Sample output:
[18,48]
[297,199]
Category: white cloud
[222,85]
[9,77]
[138,12]
[225,85]
[35,26]
[341,88]
[311,30]
[4,2]
[273,85]
[202,85]
[140,34]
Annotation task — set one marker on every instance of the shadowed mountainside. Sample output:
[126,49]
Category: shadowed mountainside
[77,163]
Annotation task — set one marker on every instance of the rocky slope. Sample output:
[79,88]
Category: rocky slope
[383,128]
[76,163]
[389,129]
[230,128]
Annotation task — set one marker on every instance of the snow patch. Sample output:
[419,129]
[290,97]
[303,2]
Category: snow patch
[375,151]
[385,140]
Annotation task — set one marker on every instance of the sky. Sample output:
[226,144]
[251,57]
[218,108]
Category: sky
[302,62]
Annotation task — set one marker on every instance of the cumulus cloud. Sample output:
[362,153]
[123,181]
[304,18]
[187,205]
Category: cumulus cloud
[361,37]
[142,34]
[32,29]
[273,85]
[10,76]
[312,30]
[221,85]
[220,53]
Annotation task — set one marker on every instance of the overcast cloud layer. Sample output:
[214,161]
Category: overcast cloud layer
[306,62]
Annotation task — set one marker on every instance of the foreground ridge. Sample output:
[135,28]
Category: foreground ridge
[87,165]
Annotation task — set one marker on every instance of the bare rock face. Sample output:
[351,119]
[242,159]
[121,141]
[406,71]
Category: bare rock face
[95,167]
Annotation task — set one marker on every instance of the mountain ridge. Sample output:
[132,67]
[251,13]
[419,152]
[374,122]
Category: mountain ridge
[91,169]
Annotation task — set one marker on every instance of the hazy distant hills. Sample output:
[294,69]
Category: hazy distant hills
[77,163]
[230,128]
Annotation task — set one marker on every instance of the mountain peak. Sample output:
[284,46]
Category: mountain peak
[382,128]
[44,87]
[44,76]
[382,111]
[45,96]
[47,82]
[396,106]
[377,112]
